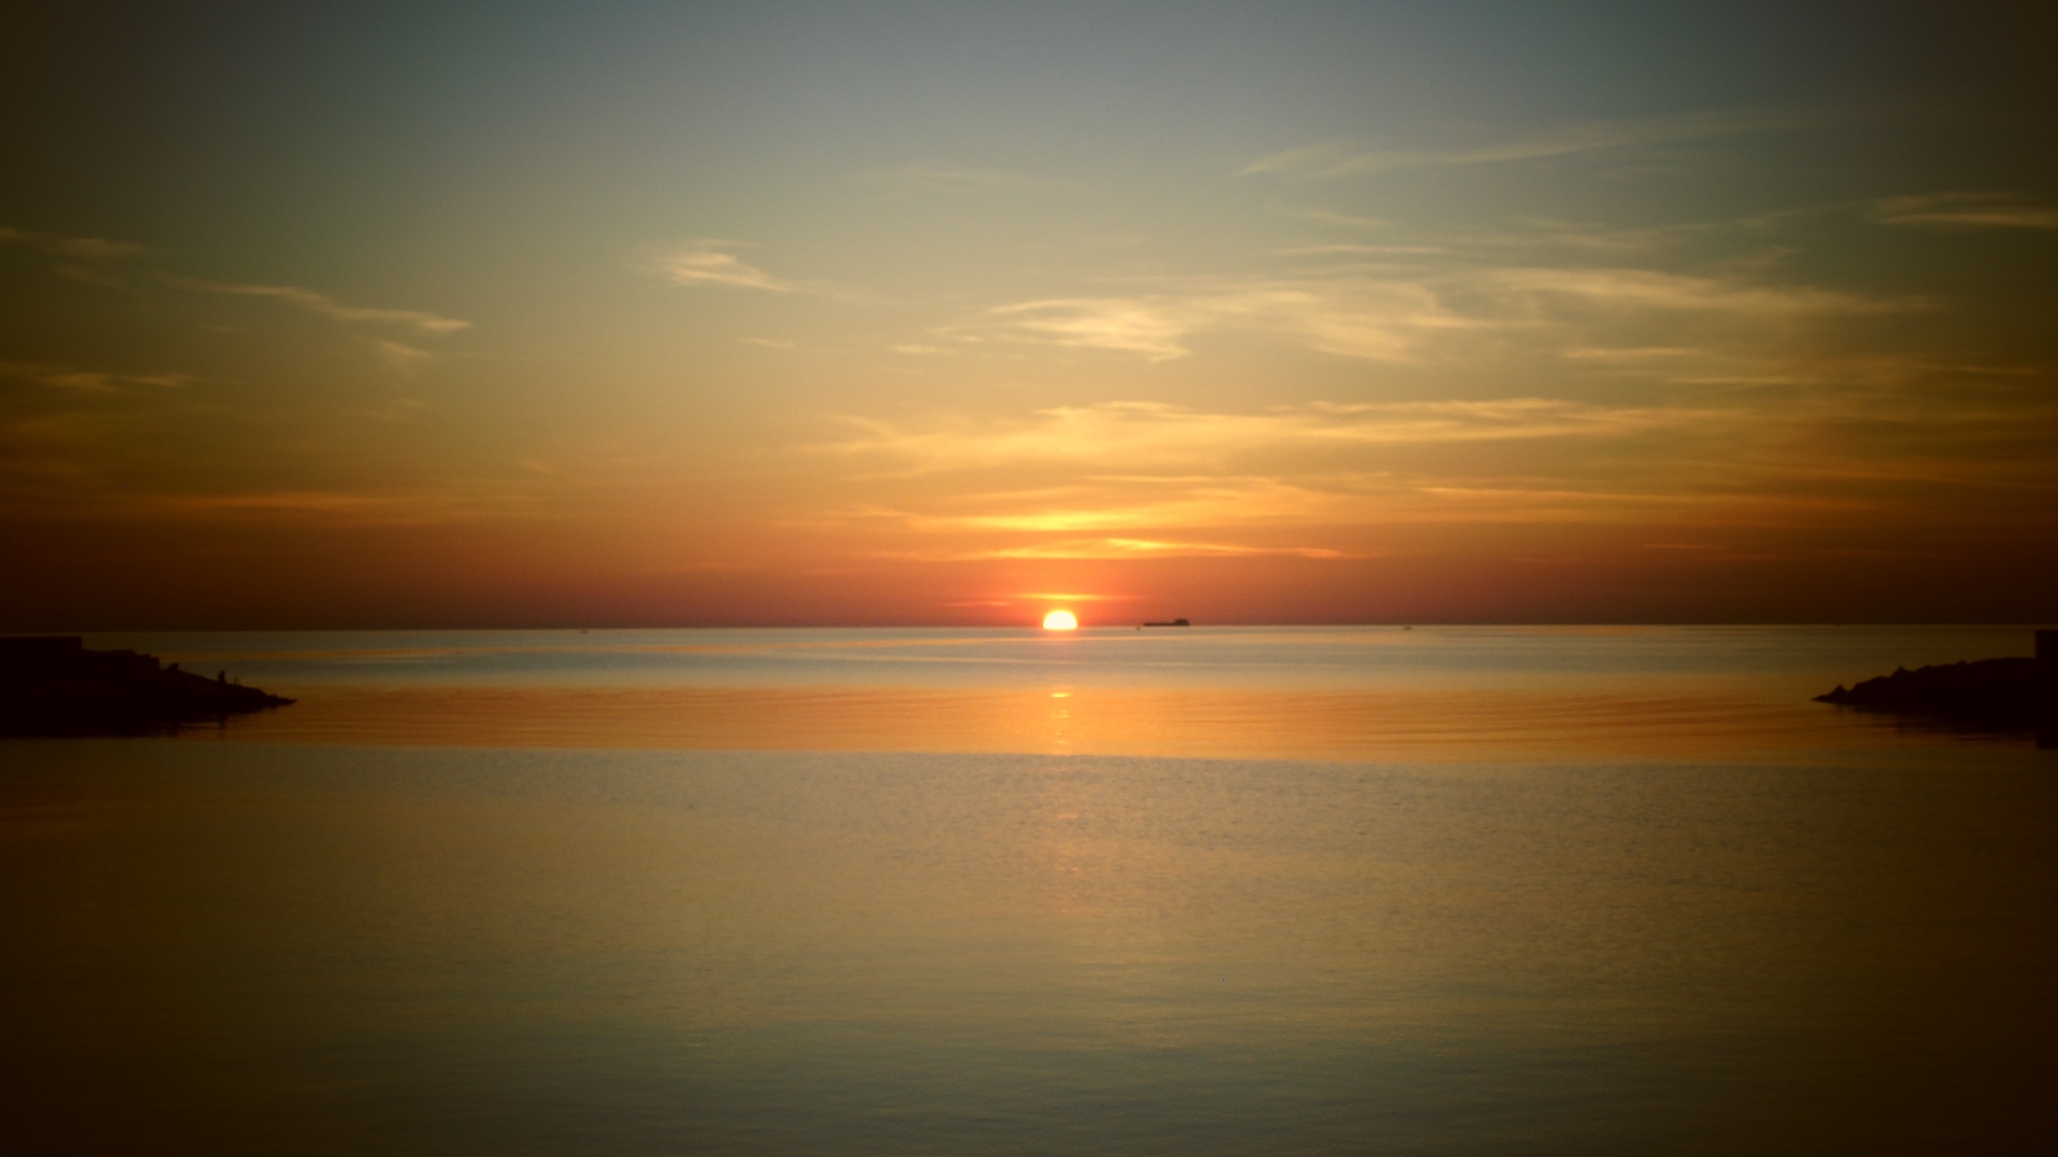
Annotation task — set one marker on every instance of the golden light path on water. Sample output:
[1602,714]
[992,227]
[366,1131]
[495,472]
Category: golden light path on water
[1322,725]
[1438,694]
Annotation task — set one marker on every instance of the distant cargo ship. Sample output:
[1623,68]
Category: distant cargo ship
[1173,623]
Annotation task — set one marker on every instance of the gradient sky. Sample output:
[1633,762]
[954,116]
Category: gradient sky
[671,314]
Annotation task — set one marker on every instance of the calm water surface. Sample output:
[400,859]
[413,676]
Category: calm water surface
[1214,892]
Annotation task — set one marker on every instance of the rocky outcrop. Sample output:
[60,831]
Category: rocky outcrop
[1999,694]
[50,685]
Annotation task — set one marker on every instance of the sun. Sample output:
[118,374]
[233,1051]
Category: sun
[1060,621]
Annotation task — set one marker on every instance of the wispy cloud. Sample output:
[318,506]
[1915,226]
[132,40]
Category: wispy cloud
[1969,211]
[1116,548]
[94,260]
[1233,513]
[1153,326]
[323,305]
[1382,320]
[1350,249]
[1122,435]
[92,381]
[1344,158]
[711,263]
[404,360]
[280,501]
[1310,515]
[1646,289]
[1135,480]
[1331,217]
[76,248]
[399,507]
[1391,315]
[915,179]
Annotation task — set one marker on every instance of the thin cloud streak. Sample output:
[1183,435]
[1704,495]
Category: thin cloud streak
[1391,316]
[1120,434]
[404,360]
[1378,320]
[1117,548]
[92,381]
[332,507]
[1968,210]
[939,179]
[76,248]
[323,305]
[99,253]
[1340,158]
[710,263]
[1645,289]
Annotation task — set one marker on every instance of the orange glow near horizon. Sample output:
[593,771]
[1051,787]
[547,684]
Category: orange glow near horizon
[1434,724]
[1060,621]
[936,357]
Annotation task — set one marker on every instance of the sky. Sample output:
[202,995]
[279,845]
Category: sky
[615,314]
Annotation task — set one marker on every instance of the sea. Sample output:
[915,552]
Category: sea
[1185,891]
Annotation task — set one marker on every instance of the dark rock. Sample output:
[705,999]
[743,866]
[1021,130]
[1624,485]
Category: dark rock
[50,685]
[1997,694]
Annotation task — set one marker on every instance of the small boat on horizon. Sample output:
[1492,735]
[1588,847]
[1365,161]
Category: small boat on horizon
[1173,623]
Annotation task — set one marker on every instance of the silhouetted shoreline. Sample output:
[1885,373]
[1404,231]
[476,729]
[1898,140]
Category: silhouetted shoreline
[52,686]
[2012,694]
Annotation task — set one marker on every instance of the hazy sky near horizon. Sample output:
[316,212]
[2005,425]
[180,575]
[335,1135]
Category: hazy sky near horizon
[557,314]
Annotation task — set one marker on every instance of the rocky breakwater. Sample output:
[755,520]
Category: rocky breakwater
[1985,694]
[51,685]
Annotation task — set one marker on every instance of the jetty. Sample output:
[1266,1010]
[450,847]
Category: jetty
[51,685]
[2013,694]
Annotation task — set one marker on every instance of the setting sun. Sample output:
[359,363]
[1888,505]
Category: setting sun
[632,438]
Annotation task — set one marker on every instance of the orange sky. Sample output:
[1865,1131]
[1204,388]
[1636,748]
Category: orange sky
[936,314]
